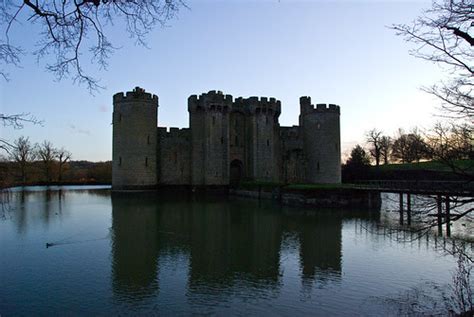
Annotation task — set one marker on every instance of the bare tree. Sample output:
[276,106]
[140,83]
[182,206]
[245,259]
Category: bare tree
[70,30]
[16,121]
[374,138]
[385,148]
[63,157]
[443,35]
[23,153]
[409,147]
[47,154]
[400,148]
[450,144]
[8,55]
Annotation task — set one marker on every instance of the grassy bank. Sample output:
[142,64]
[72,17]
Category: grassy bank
[428,166]
[269,186]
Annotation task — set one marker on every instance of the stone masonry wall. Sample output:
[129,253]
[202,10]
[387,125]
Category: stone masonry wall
[293,158]
[263,142]
[209,121]
[174,156]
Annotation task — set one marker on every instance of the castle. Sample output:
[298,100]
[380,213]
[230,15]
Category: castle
[228,141]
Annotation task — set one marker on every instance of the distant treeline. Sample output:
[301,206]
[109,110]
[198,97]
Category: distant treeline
[26,163]
[73,172]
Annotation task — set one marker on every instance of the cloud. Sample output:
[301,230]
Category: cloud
[78,130]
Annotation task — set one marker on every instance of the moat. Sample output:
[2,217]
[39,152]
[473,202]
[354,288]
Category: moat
[142,254]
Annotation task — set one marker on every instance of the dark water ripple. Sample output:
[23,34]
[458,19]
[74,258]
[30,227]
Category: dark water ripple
[150,255]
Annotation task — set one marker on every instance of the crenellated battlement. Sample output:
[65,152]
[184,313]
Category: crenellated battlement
[258,105]
[214,100]
[173,132]
[322,107]
[136,94]
[306,107]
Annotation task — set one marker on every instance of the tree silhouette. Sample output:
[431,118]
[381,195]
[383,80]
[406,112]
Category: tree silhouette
[409,147]
[47,154]
[70,29]
[385,148]
[374,139]
[23,153]
[443,35]
[357,165]
[63,157]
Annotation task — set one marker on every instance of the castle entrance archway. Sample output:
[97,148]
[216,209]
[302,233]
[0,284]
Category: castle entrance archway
[236,172]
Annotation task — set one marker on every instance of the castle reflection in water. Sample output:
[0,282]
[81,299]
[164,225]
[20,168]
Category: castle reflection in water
[223,242]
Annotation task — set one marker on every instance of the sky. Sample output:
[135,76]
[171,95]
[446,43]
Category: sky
[338,52]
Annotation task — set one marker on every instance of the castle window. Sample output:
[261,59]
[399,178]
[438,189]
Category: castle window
[213,120]
[120,117]
[175,157]
[268,142]
[120,161]
[236,140]
[148,139]
[317,166]
[222,140]
[146,161]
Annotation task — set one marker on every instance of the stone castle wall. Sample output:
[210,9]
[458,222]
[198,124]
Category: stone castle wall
[174,156]
[226,139]
[292,155]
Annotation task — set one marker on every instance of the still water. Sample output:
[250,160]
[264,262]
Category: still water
[143,254]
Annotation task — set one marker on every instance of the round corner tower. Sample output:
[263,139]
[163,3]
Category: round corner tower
[322,141]
[134,144]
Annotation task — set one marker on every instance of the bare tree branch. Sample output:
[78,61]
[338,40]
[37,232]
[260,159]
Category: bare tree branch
[70,30]
[443,36]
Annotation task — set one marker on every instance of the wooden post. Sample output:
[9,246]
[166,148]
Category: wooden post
[448,218]
[401,209]
[408,209]
[440,212]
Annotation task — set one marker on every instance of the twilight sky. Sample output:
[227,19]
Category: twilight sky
[334,51]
